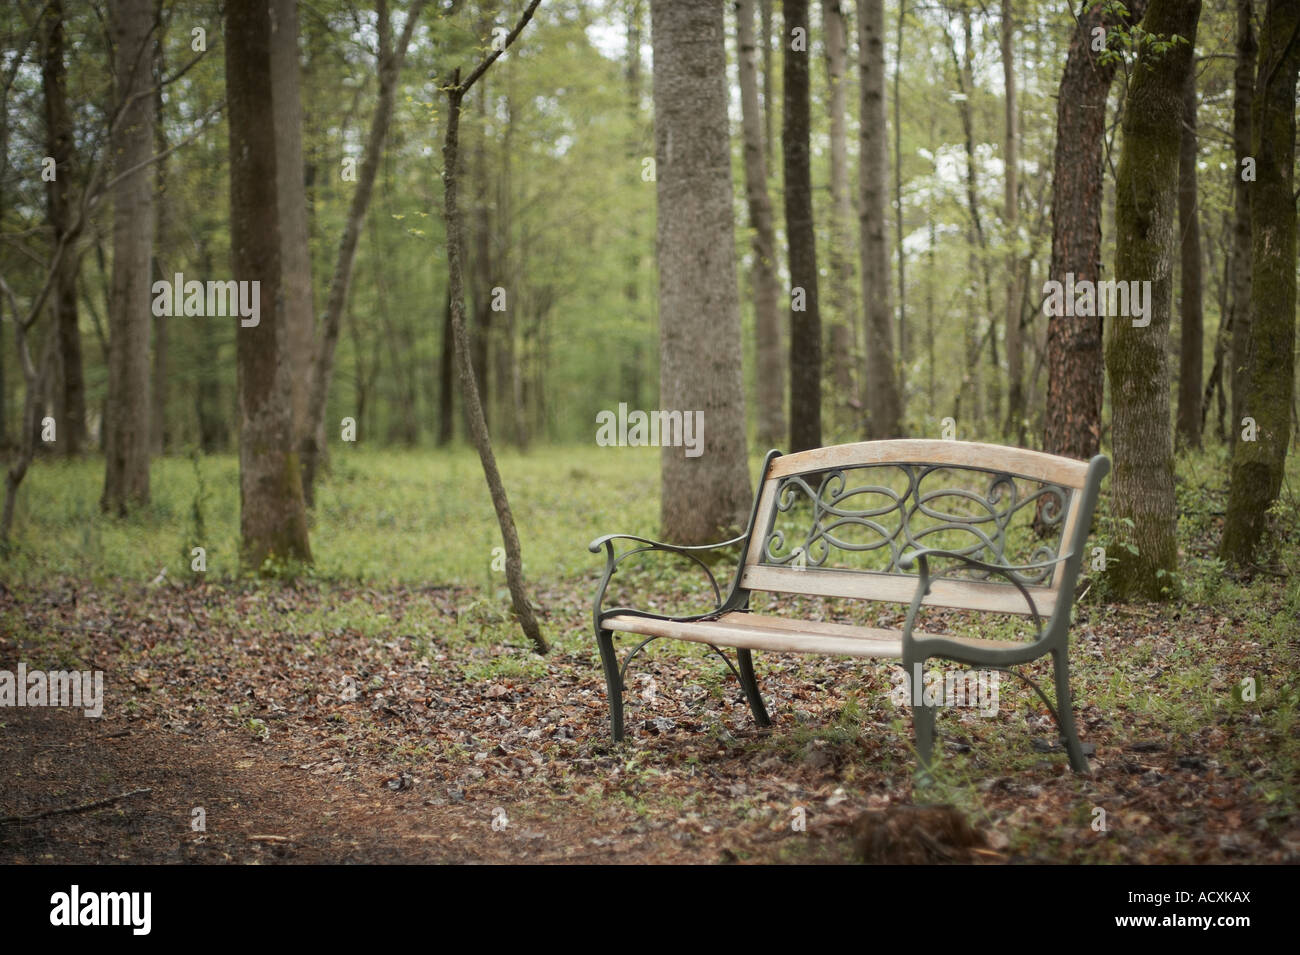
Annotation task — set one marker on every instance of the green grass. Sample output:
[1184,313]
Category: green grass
[409,517]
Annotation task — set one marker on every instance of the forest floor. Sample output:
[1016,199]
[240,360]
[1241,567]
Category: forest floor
[358,715]
[328,724]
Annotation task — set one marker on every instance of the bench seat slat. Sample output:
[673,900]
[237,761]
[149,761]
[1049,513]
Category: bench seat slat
[898,588]
[758,632]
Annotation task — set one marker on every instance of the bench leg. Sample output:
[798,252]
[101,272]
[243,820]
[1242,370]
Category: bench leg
[613,682]
[750,685]
[922,722]
[1065,712]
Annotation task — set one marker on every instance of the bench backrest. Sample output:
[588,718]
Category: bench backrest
[835,521]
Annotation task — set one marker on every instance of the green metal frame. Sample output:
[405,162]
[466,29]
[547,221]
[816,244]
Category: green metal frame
[1051,638]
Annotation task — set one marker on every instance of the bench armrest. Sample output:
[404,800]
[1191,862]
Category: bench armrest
[613,559]
[922,557]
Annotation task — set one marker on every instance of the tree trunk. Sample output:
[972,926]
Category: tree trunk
[59,139]
[1243,82]
[843,298]
[769,95]
[446,379]
[901,374]
[805,312]
[1257,465]
[1192,341]
[706,494]
[1015,422]
[291,194]
[469,389]
[272,518]
[770,384]
[1137,359]
[1074,343]
[126,472]
[390,65]
[160,435]
[881,388]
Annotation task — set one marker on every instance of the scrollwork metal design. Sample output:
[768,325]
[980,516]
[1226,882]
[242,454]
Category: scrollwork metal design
[894,520]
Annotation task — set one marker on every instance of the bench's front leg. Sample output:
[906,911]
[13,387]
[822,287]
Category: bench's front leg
[750,685]
[613,682]
[922,720]
[1065,712]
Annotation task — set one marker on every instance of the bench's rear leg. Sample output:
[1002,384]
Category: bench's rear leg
[750,685]
[1065,711]
[613,682]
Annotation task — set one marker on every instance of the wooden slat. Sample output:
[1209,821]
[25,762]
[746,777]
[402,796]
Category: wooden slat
[1050,468]
[897,588]
[780,634]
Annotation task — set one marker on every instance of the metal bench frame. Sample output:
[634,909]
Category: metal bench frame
[1071,486]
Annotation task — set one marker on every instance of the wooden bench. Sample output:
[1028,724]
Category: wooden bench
[874,521]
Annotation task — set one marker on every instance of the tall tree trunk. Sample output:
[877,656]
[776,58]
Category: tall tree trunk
[291,194]
[770,384]
[1192,339]
[976,331]
[634,362]
[390,66]
[884,404]
[1137,359]
[481,266]
[769,95]
[699,308]
[843,298]
[1074,343]
[1015,422]
[126,472]
[469,389]
[1257,465]
[1243,83]
[446,379]
[805,313]
[160,435]
[59,133]
[901,374]
[272,517]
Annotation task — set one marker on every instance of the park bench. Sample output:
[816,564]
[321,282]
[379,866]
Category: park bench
[951,524]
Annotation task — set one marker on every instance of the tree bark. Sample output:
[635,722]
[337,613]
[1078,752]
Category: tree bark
[390,66]
[843,298]
[1243,82]
[59,139]
[884,418]
[769,96]
[1137,359]
[901,374]
[456,91]
[128,423]
[1015,422]
[446,379]
[1191,333]
[291,196]
[708,494]
[1258,465]
[770,384]
[805,313]
[1074,344]
[272,517]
